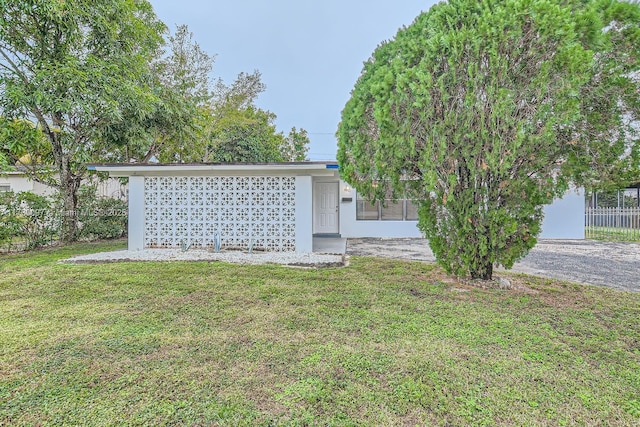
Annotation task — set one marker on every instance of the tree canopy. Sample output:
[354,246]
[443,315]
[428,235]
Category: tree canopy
[74,68]
[178,75]
[245,135]
[486,111]
[197,119]
[295,146]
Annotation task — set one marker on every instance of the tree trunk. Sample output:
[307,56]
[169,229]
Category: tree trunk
[69,186]
[484,271]
[69,182]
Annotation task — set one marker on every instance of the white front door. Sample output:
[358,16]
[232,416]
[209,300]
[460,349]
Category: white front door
[325,208]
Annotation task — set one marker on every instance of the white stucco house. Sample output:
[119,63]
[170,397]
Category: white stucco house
[274,206]
[19,180]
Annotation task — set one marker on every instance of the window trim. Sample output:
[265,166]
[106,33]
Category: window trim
[378,204]
[363,200]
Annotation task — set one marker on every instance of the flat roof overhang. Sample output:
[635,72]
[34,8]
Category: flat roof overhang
[213,169]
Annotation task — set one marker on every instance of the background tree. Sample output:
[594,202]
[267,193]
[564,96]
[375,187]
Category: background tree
[609,127]
[73,68]
[250,136]
[195,119]
[486,111]
[295,146]
[239,131]
[184,92]
[173,128]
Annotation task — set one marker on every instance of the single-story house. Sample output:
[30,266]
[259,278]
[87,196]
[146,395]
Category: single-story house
[18,180]
[274,206]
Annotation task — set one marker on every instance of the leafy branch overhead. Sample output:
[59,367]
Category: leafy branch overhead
[486,111]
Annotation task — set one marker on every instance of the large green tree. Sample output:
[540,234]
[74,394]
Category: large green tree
[176,129]
[248,135]
[485,111]
[240,131]
[74,68]
[197,119]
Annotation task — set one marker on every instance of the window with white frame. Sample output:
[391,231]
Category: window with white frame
[5,188]
[366,210]
[389,210]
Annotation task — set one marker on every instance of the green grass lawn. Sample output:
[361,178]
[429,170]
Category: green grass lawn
[613,234]
[380,342]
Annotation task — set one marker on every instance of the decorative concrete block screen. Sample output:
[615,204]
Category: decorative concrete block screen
[245,211]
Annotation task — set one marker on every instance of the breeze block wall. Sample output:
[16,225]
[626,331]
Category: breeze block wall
[257,211]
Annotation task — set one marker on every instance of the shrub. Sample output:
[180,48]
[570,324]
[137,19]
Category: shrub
[29,217]
[29,220]
[101,217]
[9,225]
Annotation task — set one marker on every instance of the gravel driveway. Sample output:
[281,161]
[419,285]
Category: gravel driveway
[616,265]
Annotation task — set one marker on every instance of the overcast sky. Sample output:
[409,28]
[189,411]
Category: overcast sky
[310,52]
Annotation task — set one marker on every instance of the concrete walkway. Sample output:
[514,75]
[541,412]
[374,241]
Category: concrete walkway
[616,265]
[329,245]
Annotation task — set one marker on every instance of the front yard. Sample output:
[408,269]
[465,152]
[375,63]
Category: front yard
[382,342]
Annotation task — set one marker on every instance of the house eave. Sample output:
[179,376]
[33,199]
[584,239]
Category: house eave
[157,169]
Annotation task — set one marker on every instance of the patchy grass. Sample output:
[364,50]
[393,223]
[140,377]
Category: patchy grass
[381,342]
[613,234]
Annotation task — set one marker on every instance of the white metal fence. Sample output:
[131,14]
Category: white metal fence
[612,223]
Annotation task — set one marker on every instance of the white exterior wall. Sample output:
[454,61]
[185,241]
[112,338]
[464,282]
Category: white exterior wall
[136,214]
[110,187]
[20,182]
[43,189]
[564,219]
[238,211]
[304,217]
[16,183]
[352,228]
